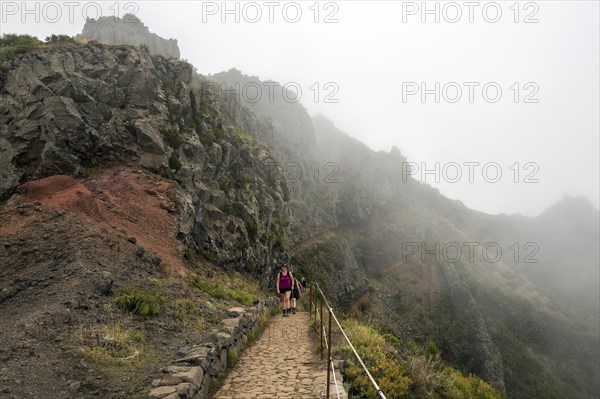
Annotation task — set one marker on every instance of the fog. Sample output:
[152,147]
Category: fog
[536,122]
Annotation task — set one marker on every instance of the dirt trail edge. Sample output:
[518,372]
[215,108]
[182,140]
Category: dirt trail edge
[283,363]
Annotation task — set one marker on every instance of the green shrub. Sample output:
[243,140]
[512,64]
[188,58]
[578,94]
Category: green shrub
[137,336]
[188,315]
[22,161]
[219,133]
[232,209]
[11,44]
[391,338]
[220,290]
[279,245]
[174,162]
[232,357]
[239,179]
[139,301]
[432,349]
[405,372]
[245,298]
[172,137]
[252,229]
[252,334]
[210,288]
[60,39]
[185,308]
[457,386]
[265,238]
[206,138]
[380,358]
[19,43]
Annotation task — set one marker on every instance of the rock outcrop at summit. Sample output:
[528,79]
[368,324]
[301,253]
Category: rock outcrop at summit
[129,30]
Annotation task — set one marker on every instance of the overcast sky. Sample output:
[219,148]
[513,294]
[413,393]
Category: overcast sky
[378,56]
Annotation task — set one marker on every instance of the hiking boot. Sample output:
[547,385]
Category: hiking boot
[293,310]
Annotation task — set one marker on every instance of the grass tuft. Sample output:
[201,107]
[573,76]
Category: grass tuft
[139,301]
[112,344]
[230,286]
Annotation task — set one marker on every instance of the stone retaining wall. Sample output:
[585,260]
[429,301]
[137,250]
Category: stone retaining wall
[190,376]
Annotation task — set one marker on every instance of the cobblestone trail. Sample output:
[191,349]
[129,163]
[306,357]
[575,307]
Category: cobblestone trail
[282,364]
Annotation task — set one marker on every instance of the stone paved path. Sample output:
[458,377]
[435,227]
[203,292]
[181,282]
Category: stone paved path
[282,363]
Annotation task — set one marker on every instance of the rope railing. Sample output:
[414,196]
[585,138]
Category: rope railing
[325,337]
[337,388]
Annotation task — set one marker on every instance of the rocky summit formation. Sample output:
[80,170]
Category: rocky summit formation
[128,30]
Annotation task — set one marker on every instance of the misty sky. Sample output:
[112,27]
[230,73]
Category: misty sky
[378,53]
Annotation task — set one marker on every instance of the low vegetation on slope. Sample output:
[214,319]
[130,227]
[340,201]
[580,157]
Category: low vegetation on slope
[176,310]
[404,371]
[85,300]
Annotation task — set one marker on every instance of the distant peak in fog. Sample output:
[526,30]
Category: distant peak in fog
[572,210]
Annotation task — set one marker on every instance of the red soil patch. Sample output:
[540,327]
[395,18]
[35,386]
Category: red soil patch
[131,203]
[63,192]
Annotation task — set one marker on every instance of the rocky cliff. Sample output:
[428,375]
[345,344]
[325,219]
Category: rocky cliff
[128,30]
[70,110]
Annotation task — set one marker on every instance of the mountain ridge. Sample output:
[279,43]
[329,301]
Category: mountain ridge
[237,207]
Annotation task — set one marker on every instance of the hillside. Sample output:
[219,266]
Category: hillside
[121,179]
[365,240]
[126,173]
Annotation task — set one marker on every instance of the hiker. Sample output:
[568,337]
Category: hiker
[285,283]
[295,294]
[304,283]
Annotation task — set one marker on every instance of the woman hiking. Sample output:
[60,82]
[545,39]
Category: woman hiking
[285,284]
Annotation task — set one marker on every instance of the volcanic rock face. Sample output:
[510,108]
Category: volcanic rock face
[69,109]
[129,30]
